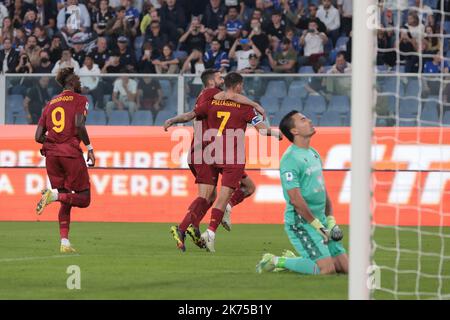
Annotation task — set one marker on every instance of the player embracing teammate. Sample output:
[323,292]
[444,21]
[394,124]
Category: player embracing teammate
[60,130]
[221,150]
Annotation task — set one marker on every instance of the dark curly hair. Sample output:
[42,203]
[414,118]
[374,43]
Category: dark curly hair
[63,74]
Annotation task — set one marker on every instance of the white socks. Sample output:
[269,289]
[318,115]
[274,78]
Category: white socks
[211,234]
[54,196]
[65,242]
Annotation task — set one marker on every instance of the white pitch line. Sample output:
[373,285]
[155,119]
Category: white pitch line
[37,258]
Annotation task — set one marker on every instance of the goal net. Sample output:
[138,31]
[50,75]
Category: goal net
[410,236]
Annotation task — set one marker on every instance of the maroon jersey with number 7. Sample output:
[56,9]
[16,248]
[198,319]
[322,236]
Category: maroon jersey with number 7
[58,118]
[228,118]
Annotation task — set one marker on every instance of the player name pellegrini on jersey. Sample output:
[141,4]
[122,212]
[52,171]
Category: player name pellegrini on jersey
[227,146]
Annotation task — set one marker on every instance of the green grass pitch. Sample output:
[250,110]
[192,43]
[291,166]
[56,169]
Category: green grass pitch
[140,261]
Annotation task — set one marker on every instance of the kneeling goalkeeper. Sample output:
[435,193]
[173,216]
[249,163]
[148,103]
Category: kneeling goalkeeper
[308,218]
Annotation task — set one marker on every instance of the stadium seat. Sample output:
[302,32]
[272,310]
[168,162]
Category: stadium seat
[341,44]
[14,103]
[297,89]
[271,104]
[315,104]
[291,103]
[331,118]
[429,116]
[408,107]
[391,85]
[9,117]
[431,3]
[276,88]
[340,104]
[119,118]
[306,69]
[166,88]
[407,123]
[163,115]
[142,118]
[446,119]
[21,119]
[413,88]
[96,117]
[381,122]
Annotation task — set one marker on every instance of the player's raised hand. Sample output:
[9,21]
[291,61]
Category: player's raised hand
[167,124]
[91,158]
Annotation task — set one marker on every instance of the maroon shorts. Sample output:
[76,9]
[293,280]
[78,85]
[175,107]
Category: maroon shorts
[67,173]
[204,174]
[231,176]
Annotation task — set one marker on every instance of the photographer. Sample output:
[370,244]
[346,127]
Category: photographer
[24,65]
[313,43]
[194,38]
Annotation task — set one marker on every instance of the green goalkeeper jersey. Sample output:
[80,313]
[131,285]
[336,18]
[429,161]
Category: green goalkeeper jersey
[302,168]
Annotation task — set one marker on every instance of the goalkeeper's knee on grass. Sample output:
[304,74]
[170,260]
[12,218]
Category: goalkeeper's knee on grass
[300,265]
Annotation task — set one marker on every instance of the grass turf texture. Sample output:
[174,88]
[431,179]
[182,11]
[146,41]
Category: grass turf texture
[141,261]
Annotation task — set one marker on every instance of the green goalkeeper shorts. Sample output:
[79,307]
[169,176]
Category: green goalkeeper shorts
[309,243]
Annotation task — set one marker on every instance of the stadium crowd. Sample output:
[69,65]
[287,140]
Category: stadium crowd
[189,36]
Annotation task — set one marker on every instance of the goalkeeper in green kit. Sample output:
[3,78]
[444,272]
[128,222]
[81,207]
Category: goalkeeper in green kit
[308,219]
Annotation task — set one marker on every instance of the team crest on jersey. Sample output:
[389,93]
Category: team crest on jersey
[289,176]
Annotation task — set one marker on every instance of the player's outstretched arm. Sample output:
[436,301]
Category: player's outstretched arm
[182,118]
[266,131]
[296,199]
[239,98]
[39,135]
[80,121]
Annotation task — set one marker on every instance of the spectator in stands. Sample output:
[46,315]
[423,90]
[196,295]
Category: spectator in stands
[194,63]
[132,16]
[101,18]
[78,53]
[194,37]
[20,39]
[254,66]
[226,41]
[330,16]
[55,49]
[433,43]
[100,53]
[316,85]
[45,64]
[156,37]
[124,95]
[167,28]
[41,36]
[24,65]
[345,8]
[118,26]
[149,11]
[149,95]
[264,16]
[90,82]
[242,55]
[233,24]
[277,27]
[423,10]
[145,64]
[29,22]
[295,40]
[66,61]
[17,11]
[415,27]
[258,37]
[9,58]
[437,65]
[126,54]
[73,18]
[7,30]
[340,86]
[408,45]
[167,63]
[3,13]
[112,65]
[214,15]
[216,58]
[386,54]
[46,11]
[313,42]
[284,61]
[173,14]
[35,100]
[32,50]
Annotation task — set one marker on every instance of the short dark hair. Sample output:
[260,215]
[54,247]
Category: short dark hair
[341,53]
[207,75]
[233,79]
[286,124]
[63,74]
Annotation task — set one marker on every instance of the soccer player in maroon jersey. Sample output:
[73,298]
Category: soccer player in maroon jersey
[227,122]
[212,80]
[60,130]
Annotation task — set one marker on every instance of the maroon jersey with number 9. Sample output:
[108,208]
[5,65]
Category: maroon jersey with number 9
[58,118]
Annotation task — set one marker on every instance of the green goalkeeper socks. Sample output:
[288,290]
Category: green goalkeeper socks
[300,265]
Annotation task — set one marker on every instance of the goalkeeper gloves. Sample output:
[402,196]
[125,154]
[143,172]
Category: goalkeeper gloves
[321,229]
[335,232]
